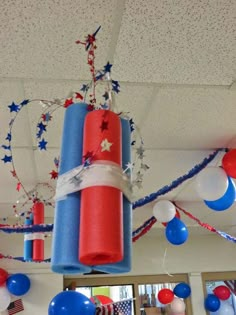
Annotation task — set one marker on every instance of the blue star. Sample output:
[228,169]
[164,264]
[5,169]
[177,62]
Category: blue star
[7,159]
[104,106]
[13,107]
[8,137]
[56,162]
[115,88]
[107,67]
[6,147]
[41,126]
[99,76]
[84,88]
[25,102]
[42,144]
[47,117]
[116,83]
[39,134]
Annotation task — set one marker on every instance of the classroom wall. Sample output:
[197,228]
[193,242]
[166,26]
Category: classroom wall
[151,255]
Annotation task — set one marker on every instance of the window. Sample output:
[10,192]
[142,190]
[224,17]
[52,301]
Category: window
[215,279]
[125,287]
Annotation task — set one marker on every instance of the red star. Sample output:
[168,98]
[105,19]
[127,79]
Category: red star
[18,186]
[90,107]
[91,52]
[54,174]
[68,102]
[13,173]
[90,62]
[78,95]
[104,125]
[91,39]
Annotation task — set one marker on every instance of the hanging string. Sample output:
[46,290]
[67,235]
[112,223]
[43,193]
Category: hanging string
[164,264]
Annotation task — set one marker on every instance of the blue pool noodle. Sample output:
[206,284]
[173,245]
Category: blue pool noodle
[124,265]
[28,245]
[65,242]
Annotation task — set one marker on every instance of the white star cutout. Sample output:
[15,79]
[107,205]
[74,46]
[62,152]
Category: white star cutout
[106,145]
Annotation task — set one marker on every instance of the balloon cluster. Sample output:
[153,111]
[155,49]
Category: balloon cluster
[16,284]
[175,298]
[71,302]
[176,231]
[217,301]
[215,184]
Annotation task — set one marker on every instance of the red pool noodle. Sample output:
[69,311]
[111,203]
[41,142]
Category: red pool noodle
[38,245]
[101,210]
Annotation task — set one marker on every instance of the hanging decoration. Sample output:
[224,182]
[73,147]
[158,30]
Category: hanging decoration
[96,173]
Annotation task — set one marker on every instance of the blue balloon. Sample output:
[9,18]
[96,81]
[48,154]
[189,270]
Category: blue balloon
[18,284]
[176,232]
[226,200]
[212,303]
[182,290]
[71,302]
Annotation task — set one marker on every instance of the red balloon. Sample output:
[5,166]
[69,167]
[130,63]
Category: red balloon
[165,296]
[222,292]
[101,299]
[229,163]
[3,276]
[176,216]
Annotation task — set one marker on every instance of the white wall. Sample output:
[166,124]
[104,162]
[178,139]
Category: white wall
[199,254]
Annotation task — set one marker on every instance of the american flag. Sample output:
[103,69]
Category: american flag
[231,284]
[117,308]
[15,307]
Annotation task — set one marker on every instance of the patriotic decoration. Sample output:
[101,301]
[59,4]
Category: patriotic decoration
[15,307]
[118,308]
[231,285]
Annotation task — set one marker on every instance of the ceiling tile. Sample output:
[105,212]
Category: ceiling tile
[13,91]
[38,37]
[136,100]
[184,41]
[193,118]
[48,90]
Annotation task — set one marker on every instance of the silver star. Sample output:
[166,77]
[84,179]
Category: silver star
[138,184]
[139,177]
[106,145]
[145,167]
[140,152]
[129,167]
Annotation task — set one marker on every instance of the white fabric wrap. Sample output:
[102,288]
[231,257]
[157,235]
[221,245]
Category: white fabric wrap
[99,173]
[33,236]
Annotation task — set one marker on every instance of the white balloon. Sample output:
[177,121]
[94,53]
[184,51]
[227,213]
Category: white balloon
[212,183]
[5,298]
[177,306]
[164,211]
[226,309]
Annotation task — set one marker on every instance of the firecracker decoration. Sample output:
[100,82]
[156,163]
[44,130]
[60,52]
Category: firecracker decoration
[99,164]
